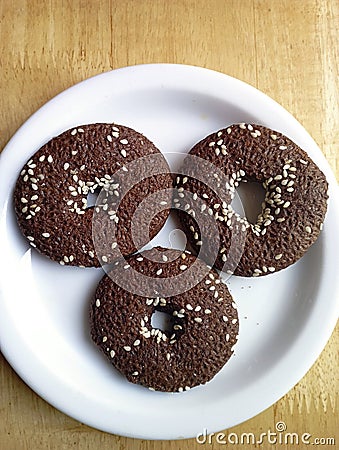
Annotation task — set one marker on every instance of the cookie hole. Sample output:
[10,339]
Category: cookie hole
[162,321]
[177,239]
[92,198]
[250,197]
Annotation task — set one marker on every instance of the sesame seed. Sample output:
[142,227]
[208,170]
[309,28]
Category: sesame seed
[97,302]
[271,269]
[123,153]
[114,245]
[207,311]
[229,130]
[227,337]
[30,238]
[286,204]
[135,374]
[211,144]
[217,151]
[183,267]
[303,161]
[234,321]
[168,356]
[127,348]
[50,159]
[124,141]
[104,339]
[308,229]
[282,147]
[278,256]
[159,272]
[164,258]
[189,307]
[23,200]
[274,137]
[109,138]
[136,342]
[34,187]
[46,235]
[112,353]
[198,319]
[104,258]
[242,126]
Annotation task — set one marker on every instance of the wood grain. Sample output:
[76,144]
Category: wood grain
[286,48]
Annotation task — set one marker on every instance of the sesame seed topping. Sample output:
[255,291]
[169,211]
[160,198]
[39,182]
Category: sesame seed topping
[112,353]
[46,235]
[74,132]
[50,159]
[97,302]
[23,200]
[123,153]
[308,229]
[159,272]
[124,141]
[136,342]
[303,161]
[282,147]
[127,348]
[104,258]
[227,337]
[274,137]
[198,319]
[279,256]
[234,321]
[183,267]
[109,138]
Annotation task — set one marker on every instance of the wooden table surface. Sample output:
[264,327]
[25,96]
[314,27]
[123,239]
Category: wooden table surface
[288,49]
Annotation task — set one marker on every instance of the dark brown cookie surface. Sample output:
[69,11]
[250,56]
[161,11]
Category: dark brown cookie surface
[51,194]
[203,321]
[292,213]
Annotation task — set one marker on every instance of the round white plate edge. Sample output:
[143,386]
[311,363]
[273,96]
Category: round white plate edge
[36,383]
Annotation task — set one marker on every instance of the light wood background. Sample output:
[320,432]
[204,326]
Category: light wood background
[286,48]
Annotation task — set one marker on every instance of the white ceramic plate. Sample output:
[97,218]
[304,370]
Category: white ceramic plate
[285,318]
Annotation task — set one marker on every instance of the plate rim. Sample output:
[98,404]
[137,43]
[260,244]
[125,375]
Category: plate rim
[9,351]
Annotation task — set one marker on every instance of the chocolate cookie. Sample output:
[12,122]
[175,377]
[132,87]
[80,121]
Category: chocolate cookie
[203,320]
[292,213]
[51,194]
